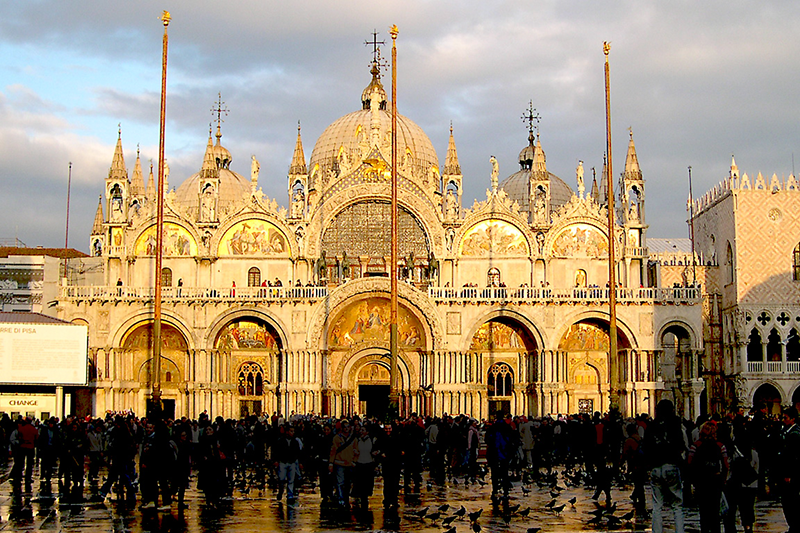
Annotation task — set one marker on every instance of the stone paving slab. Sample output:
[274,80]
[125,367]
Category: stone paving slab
[24,509]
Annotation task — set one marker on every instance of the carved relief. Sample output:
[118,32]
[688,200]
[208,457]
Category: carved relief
[493,238]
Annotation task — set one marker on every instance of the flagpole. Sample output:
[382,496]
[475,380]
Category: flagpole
[394,394]
[66,231]
[155,408]
[613,363]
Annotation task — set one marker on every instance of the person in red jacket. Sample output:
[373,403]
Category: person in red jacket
[23,443]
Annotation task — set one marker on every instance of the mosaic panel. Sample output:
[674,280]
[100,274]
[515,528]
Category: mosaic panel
[253,237]
[494,238]
[581,240]
[368,320]
[177,241]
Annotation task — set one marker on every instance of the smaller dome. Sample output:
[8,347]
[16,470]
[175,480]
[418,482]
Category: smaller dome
[516,187]
[232,190]
[526,154]
[366,94]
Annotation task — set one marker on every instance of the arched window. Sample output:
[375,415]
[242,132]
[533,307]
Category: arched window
[166,277]
[253,277]
[251,380]
[774,346]
[754,352]
[500,381]
[493,277]
[796,263]
[793,346]
[730,269]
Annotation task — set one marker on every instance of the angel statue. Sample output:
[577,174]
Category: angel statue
[495,172]
[579,174]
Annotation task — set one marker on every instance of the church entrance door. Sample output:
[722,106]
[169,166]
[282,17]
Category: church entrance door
[499,407]
[374,400]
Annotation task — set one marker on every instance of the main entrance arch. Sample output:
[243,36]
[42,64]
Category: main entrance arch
[586,346]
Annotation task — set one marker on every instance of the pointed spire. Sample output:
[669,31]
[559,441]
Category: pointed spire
[118,170]
[137,181]
[632,170]
[451,165]
[97,227]
[595,192]
[151,183]
[209,167]
[539,169]
[298,165]
[734,168]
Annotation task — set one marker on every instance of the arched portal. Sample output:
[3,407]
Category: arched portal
[507,350]
[373,384]
[251,348]
[585,345]
[769,396]
[138,349]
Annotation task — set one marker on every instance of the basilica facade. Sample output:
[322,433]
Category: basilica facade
[503,304]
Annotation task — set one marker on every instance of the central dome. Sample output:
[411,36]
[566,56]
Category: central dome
[348,136]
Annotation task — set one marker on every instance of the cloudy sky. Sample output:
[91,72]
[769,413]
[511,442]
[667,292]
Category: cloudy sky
[696,82]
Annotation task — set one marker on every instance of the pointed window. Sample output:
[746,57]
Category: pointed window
[796,263]
[500,381]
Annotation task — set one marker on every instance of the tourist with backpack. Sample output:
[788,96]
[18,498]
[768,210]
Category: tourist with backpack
[708,465]
[742,485]
[664,447]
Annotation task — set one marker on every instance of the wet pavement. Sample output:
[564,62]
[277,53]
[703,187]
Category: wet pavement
[27,509]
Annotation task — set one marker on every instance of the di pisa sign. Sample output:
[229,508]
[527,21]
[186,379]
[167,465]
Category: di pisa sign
[47,354]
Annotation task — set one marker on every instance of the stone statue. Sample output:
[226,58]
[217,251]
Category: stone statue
[451,210]
[495,172]
[581,184]
[450,236]
[321,267]
[255,168]
[207,211]
[633,213]
[297,204]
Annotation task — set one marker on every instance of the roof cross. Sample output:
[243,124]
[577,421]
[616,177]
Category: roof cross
[530,116]
[219,109]
[376,54]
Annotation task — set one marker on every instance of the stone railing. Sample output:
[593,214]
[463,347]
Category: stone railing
[773,367]
[191,294]
[468,295]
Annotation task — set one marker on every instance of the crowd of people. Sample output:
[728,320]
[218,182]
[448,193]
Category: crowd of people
[720,463]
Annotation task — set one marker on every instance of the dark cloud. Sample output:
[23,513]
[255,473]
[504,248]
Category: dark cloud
[695,82]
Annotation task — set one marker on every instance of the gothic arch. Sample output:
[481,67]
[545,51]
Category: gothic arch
[151,223]
[344,374]
[421,209]
[693,337]
[288,234]
[229,316]
[601,316]
[412,299]
[510,314]
[144,316]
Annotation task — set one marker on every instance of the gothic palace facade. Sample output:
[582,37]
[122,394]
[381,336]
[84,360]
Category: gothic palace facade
[529,337]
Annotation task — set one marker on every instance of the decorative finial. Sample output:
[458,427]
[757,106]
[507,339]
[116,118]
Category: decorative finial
[165,18]
[451,127]
[606,47]
[531,116]
[630,132]
[119,130]
[137,150]
[220,109]
[495,173]
[375,43]
[394,31]
[298,127]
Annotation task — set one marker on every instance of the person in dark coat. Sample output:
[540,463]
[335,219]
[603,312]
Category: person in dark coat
[390,451]
[789,464]
[665,444]
[499,452]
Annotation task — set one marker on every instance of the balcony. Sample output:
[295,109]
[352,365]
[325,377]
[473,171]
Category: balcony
[773,367]
[647,295]
[193,294]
